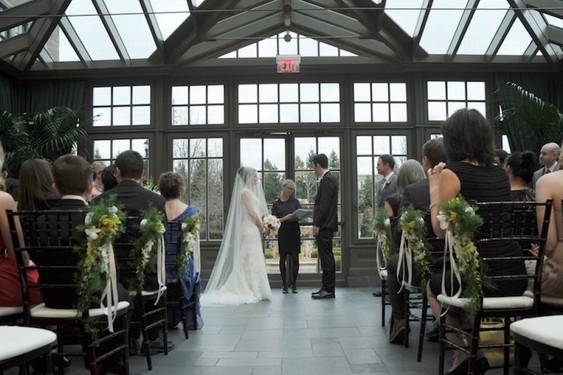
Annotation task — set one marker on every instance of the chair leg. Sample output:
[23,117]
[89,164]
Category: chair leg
[474,346]
[183,317]
[442,345]
[422,332]
[407,302]
[383,290]
[125,352]
[522,356]
[165,332]
[145,345]
[60,348]
[506,366]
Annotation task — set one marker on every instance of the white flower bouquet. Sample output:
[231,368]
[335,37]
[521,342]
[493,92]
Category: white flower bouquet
[271,225]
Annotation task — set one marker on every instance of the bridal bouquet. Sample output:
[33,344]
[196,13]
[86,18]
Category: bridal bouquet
[271,224]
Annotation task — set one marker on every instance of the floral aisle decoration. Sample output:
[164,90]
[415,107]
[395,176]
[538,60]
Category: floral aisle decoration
[382,229]
[150,247]
[413,249]
[271,225]
[103,222]
[189,245]
[460,221]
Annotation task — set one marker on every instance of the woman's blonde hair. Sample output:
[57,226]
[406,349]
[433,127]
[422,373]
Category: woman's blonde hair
[290,184]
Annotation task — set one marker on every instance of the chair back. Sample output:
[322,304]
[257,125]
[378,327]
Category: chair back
[172,238]
[49,239]
[514,224]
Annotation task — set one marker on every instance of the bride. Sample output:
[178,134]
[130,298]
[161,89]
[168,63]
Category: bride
[239,275]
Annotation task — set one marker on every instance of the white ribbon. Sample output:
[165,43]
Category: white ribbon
[110,290]
[378,257]
[196,251]
[451,247]
[161,268]
[404,253]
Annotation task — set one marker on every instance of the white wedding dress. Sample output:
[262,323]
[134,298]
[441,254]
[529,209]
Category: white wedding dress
[239,275]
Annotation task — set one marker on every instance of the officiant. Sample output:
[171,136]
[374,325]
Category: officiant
[289,235]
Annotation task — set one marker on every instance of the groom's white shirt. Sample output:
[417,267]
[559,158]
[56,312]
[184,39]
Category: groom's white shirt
[320,178]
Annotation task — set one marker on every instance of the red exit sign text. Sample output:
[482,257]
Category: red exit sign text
[288,64]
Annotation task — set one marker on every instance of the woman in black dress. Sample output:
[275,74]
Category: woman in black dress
[289,235]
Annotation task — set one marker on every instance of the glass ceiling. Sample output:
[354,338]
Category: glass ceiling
[106,30]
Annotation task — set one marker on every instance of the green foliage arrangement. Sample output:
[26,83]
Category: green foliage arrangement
[146,246]
[103,222]
[382,228]
[460,220]
[414,232]
[190,233]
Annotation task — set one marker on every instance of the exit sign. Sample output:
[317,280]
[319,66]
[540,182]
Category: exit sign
[288,63]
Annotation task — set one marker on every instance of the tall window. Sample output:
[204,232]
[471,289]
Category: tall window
[380,102]
[107,150]
[198,105]
[200,161]
[368,150]
[288,103]
[446,97]
[122,105]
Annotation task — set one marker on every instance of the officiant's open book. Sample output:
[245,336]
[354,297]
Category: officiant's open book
[304,216]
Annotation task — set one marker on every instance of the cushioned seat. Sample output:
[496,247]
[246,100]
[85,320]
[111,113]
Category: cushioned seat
[491,303]
[546,330]
[16,341]
[42,311]
[552,301]
[148,293]
[9,311]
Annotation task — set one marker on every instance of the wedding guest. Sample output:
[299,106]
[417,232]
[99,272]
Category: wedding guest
[108,177]
[387,186]
[289,235]
[520,170]
[410,172]
[472,173]
[172,186]
[549,155]
[10,287]
[551,187]
[97,169]
[36,186]
[500,157]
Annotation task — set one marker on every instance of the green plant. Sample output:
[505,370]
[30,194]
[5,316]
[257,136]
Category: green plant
[45,135]
[269,254]
[314,253]
[529,121]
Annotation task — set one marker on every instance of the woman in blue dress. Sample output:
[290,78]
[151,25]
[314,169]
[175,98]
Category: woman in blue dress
[172,186]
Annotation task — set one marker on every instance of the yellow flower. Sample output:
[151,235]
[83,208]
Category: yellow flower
[452,216]
[108,225]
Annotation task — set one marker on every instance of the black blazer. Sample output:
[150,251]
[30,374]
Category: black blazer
[417,195]
[325,213]
[62,298]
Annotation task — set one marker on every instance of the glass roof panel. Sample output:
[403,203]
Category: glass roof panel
[15,31]
[133,28]
[404,12]
[7,4]
[441,25]
[91,30]
[555,21]
[483,26]
[517,40]
[170,14]
[59,48]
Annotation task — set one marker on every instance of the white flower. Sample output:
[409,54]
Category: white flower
[113,209]
[92,233]
[442,218]
[469,210]
[144,222]
[88,219]
[387,222]
[184,226]
[420,220]
[161,229]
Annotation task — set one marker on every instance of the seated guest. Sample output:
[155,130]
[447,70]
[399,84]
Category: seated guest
[549,156]
[172,186]
[551,187]
[410,172]
[36,186]
[97,169]
[108,177]
[473,173]
[134,199]
[10,287]
[520,170]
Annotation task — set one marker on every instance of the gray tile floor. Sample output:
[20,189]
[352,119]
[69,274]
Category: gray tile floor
[291,335]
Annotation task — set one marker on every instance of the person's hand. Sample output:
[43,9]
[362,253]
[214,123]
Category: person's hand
[434,177]
[316,231]
[535,249]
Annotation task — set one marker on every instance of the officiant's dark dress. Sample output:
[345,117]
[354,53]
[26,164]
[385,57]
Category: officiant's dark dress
[289,240]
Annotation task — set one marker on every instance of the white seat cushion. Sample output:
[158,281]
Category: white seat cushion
[148,293]
[42,311]
[383,274]
[15,341]
[547,330]
[491,303]
[552,301]
[8,311]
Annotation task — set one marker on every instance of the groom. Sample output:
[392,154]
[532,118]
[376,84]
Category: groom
[325,223]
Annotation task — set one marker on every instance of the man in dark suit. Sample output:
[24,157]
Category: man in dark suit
[387,186]
[549,159]
[325,223]
[134,199]
[416,195]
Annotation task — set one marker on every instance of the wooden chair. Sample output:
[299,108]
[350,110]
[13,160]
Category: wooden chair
[173,237]
[21,345]
[50,239]
[524,231]
[147,317]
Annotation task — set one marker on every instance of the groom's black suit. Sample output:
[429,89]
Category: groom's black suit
[325,216]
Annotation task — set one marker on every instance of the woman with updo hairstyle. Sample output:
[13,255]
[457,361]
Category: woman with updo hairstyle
[172,187]
[520,167]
